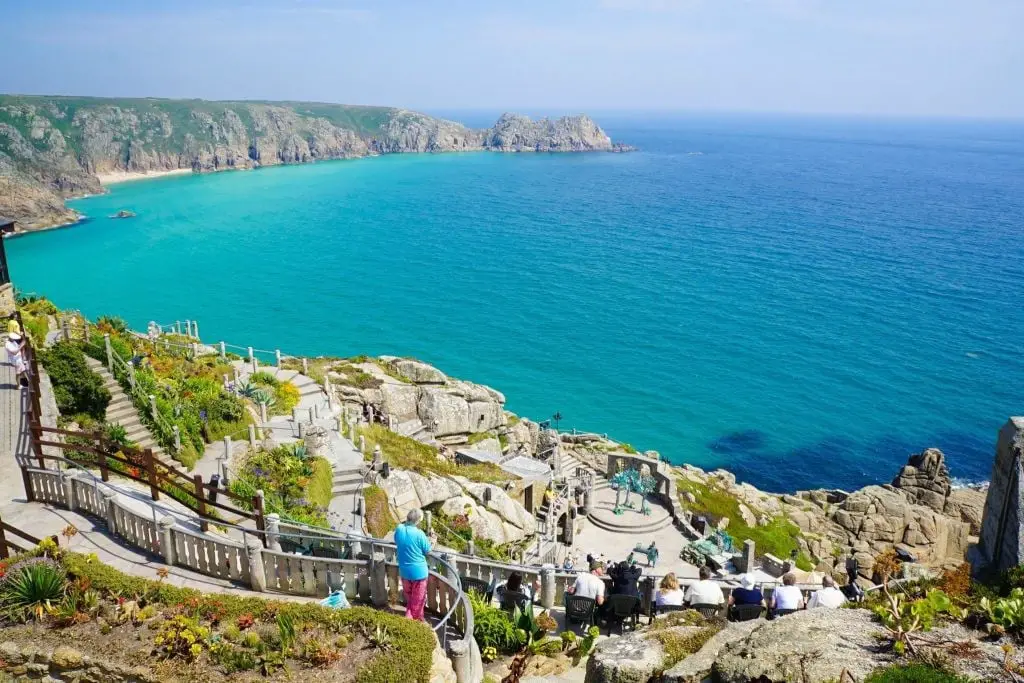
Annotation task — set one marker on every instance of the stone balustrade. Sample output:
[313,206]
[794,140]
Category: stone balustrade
[372,577]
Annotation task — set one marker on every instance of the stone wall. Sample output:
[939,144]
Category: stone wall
[1002,533]
[6,299]
[665,491]
[31,663]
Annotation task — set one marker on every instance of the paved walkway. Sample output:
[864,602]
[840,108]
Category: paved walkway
[42,520]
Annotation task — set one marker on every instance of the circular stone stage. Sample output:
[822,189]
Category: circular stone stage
[630,521]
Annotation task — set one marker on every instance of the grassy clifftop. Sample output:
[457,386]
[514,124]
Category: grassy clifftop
[54,147]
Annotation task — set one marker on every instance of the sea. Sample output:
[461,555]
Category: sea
[805,301]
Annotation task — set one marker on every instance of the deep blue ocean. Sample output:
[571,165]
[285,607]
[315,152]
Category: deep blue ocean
[805,301]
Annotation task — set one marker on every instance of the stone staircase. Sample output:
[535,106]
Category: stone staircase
[569,465]
[122,411]
[347,480]
[415,429]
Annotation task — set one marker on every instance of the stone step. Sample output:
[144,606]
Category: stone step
[340,479]
[115,411]
[603,522]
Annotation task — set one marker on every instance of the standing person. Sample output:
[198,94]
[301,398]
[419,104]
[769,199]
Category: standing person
[413,546]
[652,555]
[15,348]
[852,568]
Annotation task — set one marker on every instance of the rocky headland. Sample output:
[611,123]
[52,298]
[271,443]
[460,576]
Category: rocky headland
[54,148]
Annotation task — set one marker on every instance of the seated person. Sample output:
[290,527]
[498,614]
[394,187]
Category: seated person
[669,592]
[589,584]
[625,578]
[515,583]
[828,596]
[787,596]
[705,591]
[747,593]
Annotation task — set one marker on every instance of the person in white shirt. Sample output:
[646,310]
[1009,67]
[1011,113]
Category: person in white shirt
[787,596]
[15,348]
[828,596]
[590,585]
[669,592]
[705,591]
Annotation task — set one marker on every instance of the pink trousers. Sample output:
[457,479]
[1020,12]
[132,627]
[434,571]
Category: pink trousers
[415,598]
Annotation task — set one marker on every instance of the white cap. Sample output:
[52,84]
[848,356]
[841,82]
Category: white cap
[747,581]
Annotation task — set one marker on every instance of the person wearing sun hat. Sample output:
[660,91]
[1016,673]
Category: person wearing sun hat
[747,593]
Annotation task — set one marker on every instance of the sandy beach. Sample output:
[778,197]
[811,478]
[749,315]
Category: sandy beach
[124,176]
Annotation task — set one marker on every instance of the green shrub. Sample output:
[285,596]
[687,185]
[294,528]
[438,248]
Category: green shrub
[112,324]
[912,673]
[379,519]
[493,627]
[409,454]
[76,388]
[263,377]
[1006,613]
[295,486]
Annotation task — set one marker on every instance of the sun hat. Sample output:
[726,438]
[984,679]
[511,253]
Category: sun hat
[14,335]
[747,581]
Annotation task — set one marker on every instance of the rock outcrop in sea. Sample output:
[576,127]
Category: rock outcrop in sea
[52,148]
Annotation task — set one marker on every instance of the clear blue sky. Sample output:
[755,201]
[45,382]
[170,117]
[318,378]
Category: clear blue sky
[883,57]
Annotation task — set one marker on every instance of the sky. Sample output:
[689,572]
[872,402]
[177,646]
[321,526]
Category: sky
[865,57]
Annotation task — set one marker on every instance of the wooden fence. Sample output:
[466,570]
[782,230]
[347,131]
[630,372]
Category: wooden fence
[95,451]
[7,544]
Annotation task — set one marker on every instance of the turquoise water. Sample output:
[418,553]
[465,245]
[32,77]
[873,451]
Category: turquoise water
[804,301]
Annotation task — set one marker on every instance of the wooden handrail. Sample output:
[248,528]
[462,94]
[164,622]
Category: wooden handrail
[7,545]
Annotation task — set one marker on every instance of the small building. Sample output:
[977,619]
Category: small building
[533,476]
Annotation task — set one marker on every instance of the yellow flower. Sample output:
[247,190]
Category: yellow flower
[159,640]
[196,650]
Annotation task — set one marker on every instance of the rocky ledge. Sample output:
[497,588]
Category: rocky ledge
[918,512]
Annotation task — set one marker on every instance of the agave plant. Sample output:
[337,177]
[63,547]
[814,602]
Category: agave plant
[247,389]
[33,588]
[263,397]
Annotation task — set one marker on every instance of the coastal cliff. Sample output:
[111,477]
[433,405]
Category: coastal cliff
[53,148]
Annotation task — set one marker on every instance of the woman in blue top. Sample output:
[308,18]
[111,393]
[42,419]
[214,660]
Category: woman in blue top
[413,546]
[746,594]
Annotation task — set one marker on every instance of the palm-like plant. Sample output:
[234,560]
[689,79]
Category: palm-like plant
[263,397]
[34,589]
[247,389]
